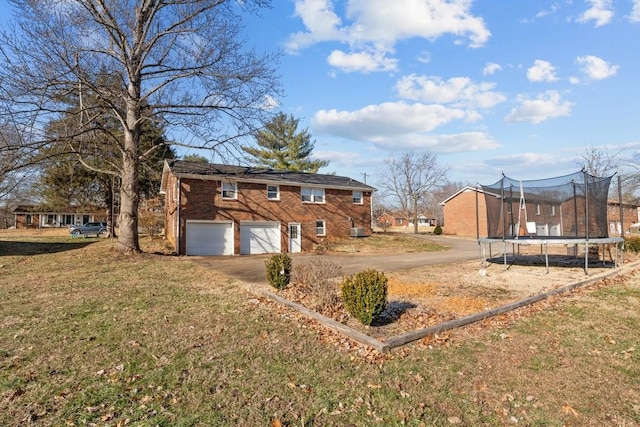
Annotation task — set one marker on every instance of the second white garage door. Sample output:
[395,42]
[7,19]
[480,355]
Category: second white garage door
[259,237]
[209,237]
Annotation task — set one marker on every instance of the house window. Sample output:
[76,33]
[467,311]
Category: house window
[27,219]
[273,192]
[553,210]
[312,195]
[321,229]
[230,190]
[357,197]
[51,219]
[537,209]
[508,208]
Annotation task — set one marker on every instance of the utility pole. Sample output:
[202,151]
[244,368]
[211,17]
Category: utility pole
[365,177]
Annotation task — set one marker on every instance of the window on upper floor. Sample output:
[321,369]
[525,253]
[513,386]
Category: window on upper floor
[312,195]
[273,192]
[321,227]
[230,190]
[357,197]
[537,209]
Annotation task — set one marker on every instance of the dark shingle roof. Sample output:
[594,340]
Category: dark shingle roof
[243,173]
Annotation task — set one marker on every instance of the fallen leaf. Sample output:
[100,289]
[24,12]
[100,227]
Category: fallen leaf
[276,423]
[569,410]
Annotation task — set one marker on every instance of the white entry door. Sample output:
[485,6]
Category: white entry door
[295,240]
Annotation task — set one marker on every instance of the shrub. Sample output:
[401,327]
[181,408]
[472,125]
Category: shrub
[279,270]
[632,244]
[437,230]
[319,277]
[365,295]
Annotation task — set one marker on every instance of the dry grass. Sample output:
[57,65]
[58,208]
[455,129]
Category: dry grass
[381,243]
[88,337]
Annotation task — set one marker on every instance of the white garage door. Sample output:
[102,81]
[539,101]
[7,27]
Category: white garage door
[259,237]
[209,237]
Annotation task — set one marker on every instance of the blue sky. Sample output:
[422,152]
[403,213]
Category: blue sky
[520,87]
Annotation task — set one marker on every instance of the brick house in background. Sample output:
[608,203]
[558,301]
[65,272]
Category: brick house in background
[459,212]
[216,209]
[388,219]
[32,216]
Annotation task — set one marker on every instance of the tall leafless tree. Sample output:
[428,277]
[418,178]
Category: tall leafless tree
[183,62]
[599,162]
[410,179]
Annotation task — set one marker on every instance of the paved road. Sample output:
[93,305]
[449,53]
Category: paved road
[251,268]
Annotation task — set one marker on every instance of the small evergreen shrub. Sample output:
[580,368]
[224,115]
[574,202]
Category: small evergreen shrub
[279,270]
[437,230]
[365,295]
[632,244]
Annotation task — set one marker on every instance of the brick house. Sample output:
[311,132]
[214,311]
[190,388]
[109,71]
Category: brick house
[459,212]
[216,209]
[388,219]
[31,216]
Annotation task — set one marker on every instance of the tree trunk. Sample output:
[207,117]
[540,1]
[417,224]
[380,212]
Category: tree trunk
[128,241]
[415,216]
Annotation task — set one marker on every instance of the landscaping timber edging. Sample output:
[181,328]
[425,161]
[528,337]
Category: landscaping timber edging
[330,323]
[409,337]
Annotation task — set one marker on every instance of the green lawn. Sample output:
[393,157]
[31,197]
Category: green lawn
[90,337]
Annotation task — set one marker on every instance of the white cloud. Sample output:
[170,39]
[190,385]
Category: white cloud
[541,71]
[596,68]
[454,143]
[321,22]
[386,119]
[362,61]
[635,12]
[601,12]
[394,126]
[458,91]
[545,106]
[492,67]
[377,25]
[554,8]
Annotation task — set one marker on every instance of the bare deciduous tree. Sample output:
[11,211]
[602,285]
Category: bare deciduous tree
[599,162]
[183,62]
[410,179]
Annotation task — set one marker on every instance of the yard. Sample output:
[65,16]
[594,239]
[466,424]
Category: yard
[89,337]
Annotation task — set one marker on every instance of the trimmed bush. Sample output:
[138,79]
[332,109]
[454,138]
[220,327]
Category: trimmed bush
[437,230]
[320,278]
[279,270]
[365,295]
[632,244]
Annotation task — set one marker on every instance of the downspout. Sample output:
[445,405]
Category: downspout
[178,217]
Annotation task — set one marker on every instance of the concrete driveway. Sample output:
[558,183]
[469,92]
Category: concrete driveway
[251,268]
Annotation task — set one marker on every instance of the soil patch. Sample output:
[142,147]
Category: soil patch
[427,296]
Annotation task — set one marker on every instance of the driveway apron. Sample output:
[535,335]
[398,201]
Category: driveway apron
[251,268]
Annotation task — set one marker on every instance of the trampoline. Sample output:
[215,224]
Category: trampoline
[567,210]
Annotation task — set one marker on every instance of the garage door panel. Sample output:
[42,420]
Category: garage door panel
[260,238]
[209,238]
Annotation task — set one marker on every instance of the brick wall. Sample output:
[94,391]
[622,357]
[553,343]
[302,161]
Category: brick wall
[459,215]
[202,199]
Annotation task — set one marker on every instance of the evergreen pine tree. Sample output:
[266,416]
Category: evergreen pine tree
[280,146]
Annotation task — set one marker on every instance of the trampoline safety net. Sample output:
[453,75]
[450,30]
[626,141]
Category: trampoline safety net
[571,206]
